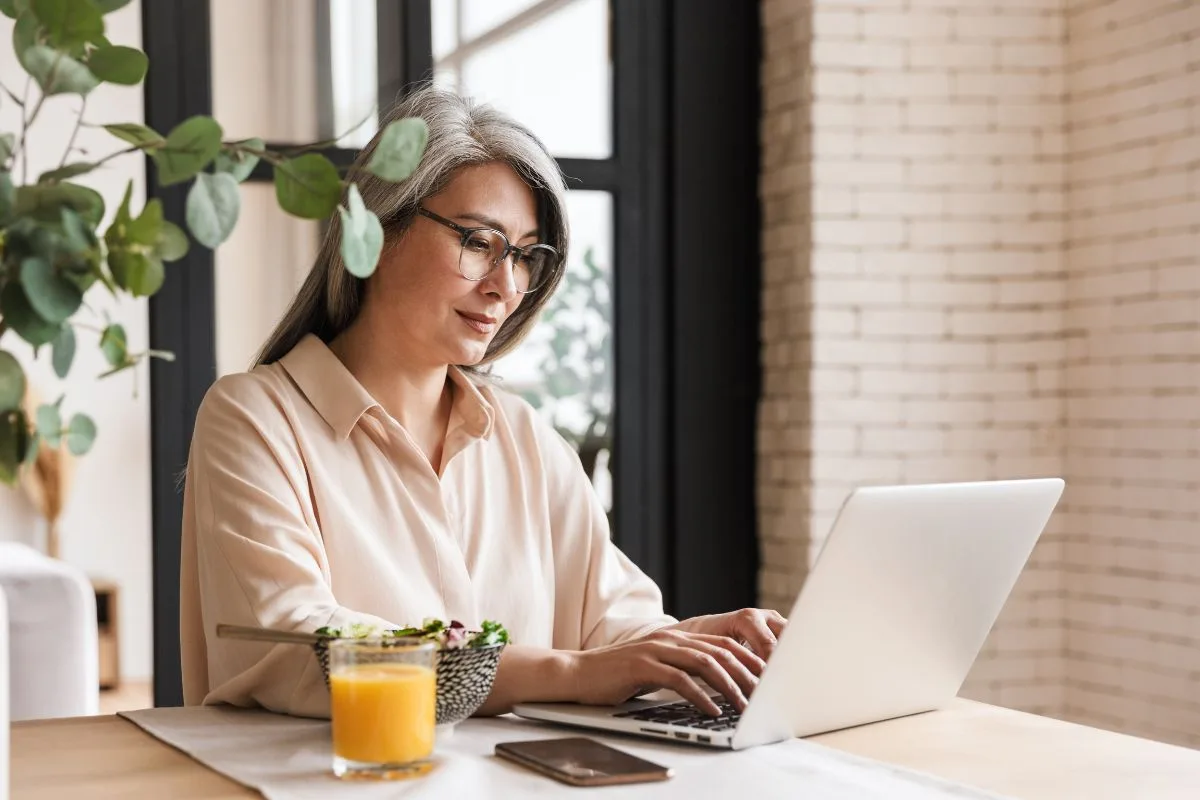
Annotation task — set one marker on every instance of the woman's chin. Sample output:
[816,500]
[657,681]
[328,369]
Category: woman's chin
[471,354]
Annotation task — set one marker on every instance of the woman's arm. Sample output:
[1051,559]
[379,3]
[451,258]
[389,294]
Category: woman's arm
[252,555]
[611,638]
[615,673]
[531,674]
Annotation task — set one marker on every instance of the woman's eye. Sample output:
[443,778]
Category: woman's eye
[479,244]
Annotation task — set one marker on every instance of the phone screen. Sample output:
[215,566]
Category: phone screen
[582,760]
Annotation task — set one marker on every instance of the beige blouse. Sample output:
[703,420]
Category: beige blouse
[306,504]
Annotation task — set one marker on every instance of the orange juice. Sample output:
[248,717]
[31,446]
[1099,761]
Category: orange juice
[383,713]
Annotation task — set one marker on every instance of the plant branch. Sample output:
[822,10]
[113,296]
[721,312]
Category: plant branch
[26,124]
[304,148]
[24,128]
[74,133]
[12,95]
[88,327]
[117,153]
[274,159]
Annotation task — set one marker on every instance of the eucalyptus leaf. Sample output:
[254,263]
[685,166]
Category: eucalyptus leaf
[81,434]
[308,187]
[19,315]
[172,243]
[25,36]
[14,445]
[66,172]
[58,73]
[125,66]
[52,296]
[135,134]
[213,205]
[12,382]
[8,196]
[7,142]
[45,201]
[117,232]
[109,6]
[77,236]
[63,351]
[148,226]
[189,148]
[32,448]
[68,23]
[140,274]
[49,425]
[399,150]
[239,164]
[114,345]
[44,241]
[13,8]
[362,236]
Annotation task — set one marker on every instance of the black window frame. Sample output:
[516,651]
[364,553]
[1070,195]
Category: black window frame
[683,175]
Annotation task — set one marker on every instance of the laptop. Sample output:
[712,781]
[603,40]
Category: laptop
[888,623]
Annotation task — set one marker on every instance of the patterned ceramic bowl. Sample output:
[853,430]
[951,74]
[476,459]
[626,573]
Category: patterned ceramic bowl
[464,676]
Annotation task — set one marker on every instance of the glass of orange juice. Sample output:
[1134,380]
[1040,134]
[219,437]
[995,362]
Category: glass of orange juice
[383,707]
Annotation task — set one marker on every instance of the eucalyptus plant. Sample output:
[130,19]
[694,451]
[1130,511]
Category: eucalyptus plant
[52,251]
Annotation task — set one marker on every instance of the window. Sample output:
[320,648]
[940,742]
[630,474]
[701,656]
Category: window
[663,179]
[494,51]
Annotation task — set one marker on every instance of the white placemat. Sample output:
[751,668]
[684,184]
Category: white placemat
[287,758]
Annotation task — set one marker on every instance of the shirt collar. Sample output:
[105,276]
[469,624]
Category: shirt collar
[471,409]
[341,400]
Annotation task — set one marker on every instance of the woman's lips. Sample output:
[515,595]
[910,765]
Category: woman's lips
[480,323]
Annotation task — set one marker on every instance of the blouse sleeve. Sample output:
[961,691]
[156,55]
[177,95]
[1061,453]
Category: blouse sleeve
[256,557]
[601,596]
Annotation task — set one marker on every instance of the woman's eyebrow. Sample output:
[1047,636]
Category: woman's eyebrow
[491,223]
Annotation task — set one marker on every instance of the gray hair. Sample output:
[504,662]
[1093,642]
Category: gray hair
[461,133]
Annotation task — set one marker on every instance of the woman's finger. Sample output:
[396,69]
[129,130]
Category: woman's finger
[736,670]
[693,659]
[678,681]
[750,628]
[739,651]
[775,621]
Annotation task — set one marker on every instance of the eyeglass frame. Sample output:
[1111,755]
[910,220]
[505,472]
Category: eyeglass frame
[464,233]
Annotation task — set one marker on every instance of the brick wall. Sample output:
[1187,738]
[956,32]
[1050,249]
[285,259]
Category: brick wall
[913,200]
[981,228]
[1132,560]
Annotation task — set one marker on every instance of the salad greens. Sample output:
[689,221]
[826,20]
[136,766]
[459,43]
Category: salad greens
[449,637]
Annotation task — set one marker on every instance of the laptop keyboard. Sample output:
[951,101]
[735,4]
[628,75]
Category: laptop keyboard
[688,715]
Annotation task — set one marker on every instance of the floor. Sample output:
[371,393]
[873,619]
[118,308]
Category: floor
[126,697]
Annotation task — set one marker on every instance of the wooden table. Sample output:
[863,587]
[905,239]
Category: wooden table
[1008,752]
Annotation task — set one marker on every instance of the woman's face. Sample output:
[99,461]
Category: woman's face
[429,312]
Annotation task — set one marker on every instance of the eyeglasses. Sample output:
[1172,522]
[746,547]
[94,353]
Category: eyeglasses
[483,249]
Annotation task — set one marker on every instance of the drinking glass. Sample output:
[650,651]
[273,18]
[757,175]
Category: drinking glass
[383,707]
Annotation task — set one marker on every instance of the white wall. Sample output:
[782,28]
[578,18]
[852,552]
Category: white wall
[262,264]
[912,303]
[105,528]
[1131,564]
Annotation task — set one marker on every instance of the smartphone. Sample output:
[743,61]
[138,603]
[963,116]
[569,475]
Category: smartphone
[580,761]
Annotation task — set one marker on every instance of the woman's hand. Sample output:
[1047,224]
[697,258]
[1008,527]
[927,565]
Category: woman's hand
[726,651]
[670,658]
[757,628]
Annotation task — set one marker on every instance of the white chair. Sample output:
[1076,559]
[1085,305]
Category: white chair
[3,698]
[53,663]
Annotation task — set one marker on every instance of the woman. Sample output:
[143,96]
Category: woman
[364,471]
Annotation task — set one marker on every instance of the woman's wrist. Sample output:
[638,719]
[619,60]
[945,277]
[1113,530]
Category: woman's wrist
[563,669]
[532,675]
